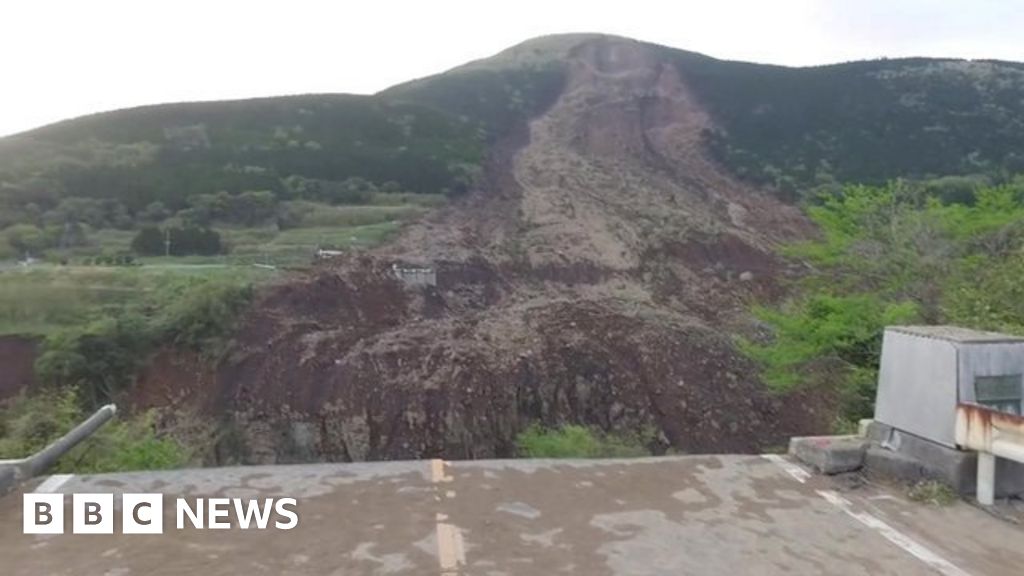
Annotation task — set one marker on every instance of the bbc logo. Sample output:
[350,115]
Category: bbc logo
[93,514]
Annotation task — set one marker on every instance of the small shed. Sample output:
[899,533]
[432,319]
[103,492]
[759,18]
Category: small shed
[926,370]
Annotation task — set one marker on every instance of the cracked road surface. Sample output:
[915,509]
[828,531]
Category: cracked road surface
[682,515]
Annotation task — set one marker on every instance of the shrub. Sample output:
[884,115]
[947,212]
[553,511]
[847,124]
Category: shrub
[152,241]
[201,314]
[573,441]
[889,255]
[99,359]
[30,423]
[149,241]
[932,492]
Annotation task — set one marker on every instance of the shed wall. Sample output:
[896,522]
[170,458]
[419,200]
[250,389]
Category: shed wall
[1000,359]
[917,386]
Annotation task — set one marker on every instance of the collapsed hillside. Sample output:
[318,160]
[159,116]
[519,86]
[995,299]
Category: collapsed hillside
[609,226]
[595,276]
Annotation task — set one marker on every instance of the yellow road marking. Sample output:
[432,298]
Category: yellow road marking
[451,551]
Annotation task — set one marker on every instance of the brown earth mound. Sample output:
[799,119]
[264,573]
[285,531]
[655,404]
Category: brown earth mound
[596,277]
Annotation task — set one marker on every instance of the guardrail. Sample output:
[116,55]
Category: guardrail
[992,434]
[13,472]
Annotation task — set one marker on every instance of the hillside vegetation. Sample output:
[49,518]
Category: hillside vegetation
[805,128]
[893,254]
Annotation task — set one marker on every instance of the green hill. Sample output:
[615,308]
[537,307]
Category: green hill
[862,121]
[789,128]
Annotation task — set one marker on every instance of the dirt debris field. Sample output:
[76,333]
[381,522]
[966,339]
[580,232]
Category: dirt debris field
[598,275]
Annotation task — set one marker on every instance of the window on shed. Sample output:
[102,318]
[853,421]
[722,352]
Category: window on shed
[1003,393]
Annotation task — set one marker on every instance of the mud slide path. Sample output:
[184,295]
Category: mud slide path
[597,276]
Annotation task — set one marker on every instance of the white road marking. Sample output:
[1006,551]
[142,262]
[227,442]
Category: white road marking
[54,482]
[893,535]
[795,470]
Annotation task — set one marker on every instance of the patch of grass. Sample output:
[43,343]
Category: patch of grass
[408,198]
[302,226]
[304,214]
[932,492]
[574,441]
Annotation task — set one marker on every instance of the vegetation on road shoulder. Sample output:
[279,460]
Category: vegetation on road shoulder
[574,441]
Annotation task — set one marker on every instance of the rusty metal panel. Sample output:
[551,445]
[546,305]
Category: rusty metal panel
[986,430]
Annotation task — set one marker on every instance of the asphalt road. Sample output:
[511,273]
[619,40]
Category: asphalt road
[738,515]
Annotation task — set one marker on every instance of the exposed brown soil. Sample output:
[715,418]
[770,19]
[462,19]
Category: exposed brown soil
[596,277]
[17,358]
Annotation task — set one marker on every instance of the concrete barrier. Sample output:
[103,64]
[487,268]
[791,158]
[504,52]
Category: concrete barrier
[992,434]
[14,472]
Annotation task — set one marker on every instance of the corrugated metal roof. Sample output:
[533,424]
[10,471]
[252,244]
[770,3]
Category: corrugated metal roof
[955,334]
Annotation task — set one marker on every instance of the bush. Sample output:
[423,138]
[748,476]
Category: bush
[574,441]
[847,329]
[932,492]
[30,423]
[149,241]
[152,241]
[889,255]
[200,315]
[99,359]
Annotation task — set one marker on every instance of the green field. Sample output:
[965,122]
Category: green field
[43,298]
[69,288]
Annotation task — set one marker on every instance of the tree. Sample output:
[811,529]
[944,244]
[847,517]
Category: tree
[26,238]
[194,240]
[252,207]
[149,241]
[154,212]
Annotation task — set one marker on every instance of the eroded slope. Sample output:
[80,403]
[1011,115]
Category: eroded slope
[596,276]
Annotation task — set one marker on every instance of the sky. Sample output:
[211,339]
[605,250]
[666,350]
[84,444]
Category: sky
[65,58]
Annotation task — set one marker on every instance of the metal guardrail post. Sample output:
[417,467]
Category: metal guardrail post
[48,456]
[992,434]
[15,471]
[986,489]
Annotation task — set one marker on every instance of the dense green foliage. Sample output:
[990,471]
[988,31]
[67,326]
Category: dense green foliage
[176,241]
[235,160]
[495,98]
[573,441]
[871,121]
[169,152]
[890,255]
[31,422]
[99,357]
[190,167]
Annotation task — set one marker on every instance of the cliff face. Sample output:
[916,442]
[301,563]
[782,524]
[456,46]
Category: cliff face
[596,277]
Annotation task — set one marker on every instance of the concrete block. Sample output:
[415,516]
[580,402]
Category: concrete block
[830,454]
[883,464]
[877,432]
[957,468]
[862,427]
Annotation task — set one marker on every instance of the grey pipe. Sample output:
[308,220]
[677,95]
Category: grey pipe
[40,461]
[15,471]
